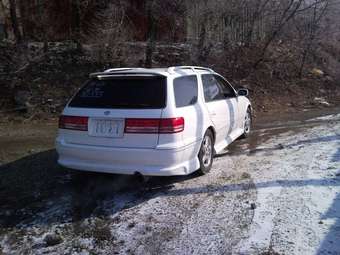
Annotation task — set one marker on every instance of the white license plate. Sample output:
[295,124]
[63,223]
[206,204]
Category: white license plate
[106,128]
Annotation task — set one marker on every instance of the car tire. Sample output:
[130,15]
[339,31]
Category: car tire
[247,124]
[206,153]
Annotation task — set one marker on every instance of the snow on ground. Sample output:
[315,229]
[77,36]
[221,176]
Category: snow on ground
[196,216]
[327,117]
[276,196]
[298,194]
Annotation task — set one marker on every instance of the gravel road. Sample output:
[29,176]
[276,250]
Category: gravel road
[277,192]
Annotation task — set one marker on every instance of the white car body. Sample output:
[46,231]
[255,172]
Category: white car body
[156,154]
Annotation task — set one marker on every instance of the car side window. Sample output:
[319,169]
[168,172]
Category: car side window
[186,90]
[213,90]
[228,91]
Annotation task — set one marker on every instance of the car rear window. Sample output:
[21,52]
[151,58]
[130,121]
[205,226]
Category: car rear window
[186,90]
[122,93]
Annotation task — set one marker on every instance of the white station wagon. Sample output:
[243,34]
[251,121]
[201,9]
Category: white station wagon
[158,122]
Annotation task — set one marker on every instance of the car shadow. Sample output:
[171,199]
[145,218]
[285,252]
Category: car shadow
[35,190]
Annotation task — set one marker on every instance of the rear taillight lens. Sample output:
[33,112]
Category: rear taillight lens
[73,123]
[175,125]
[154,126]
[145,126]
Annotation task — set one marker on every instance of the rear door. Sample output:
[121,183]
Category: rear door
[216,105]
[186,97]
[112,104]
[231,99]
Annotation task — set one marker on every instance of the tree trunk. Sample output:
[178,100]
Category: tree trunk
[4,9]
[76,24]
[151,41]
[312,35]
[14,21]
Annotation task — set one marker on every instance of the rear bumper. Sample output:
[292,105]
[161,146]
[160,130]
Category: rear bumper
[153,162]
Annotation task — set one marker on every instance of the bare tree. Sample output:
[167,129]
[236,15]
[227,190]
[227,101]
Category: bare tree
[9,11]
[151,31]
[14,20]
[158,11]
[318,12]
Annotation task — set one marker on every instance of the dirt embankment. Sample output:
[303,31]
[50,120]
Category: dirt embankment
[36,82]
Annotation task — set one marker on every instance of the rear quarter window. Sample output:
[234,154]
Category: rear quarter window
[122,93]
[186,90]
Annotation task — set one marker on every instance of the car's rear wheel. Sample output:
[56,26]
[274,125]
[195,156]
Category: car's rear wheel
[247,124]
[206,153]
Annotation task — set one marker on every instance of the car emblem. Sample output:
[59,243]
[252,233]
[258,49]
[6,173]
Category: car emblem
[107,113]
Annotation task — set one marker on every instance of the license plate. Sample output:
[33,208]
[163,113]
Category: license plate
[106,128]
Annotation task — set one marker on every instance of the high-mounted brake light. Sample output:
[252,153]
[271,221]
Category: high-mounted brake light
[73,123]
[154,126]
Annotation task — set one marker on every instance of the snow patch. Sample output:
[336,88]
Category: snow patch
[263,221]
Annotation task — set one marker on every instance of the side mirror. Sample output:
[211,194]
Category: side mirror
[243,92]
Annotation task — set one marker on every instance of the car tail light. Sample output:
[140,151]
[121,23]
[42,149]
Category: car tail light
[142,126]
[175,125]
[73,123]
[154,126]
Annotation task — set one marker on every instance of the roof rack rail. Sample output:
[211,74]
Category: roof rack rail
[193,68]
[124,72]
[112,70]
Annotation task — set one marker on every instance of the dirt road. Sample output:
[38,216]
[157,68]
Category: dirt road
[275,193]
